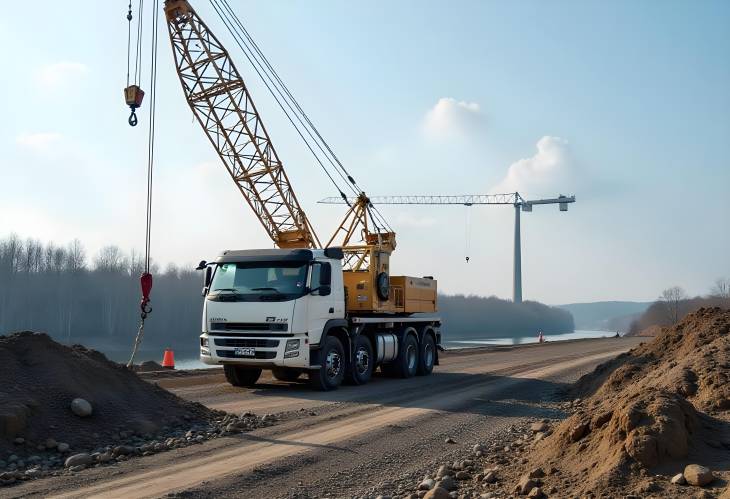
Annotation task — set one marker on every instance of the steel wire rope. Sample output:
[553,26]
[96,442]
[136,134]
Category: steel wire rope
[231,29]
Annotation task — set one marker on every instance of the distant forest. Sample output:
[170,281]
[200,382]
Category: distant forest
[59,290]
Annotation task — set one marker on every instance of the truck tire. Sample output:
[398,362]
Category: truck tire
[286,374]
[427,354]
[406,364]
[330,375]
[241,376]
[363,361]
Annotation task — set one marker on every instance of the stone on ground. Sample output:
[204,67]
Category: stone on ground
[698,475]
[81,407]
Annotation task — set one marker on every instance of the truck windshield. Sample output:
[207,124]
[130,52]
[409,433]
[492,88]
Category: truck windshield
[258,281]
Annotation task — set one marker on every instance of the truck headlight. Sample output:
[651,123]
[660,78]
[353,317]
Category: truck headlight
[205,351]
[291,349]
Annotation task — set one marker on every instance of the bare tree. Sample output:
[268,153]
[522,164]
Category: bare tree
[76,259]
[672,299]
[721,289]
[110,259]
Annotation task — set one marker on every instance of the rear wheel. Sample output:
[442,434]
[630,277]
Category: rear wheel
[329,376]
[427,355]
[241,376]
[406,364]
[286,373]
[362,366]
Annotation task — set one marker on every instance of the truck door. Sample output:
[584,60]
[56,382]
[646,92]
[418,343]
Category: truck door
[321,302]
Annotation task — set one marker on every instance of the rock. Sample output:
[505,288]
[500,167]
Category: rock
[443,471]
[678,479]
[81,459]
[536,473]
[437,493]
[81,407]
[463,475]
[478,448]
[539,436]
[104,457]
[123,450]
[539,427]
[19,441]
[698,475]
[490,477]
[447,483]
[51,443]
[578,431]
[525,485]
[536,493]
[450,441]
[63,447]
[427,484]
[80,467]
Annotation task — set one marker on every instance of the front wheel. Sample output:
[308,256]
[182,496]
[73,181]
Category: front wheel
[362,366]
[241,376]
[329,376]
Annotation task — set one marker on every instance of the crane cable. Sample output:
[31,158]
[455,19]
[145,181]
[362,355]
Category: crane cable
[262,66]
[467,232]
[146,277]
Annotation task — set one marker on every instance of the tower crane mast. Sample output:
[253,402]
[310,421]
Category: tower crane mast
[222,104]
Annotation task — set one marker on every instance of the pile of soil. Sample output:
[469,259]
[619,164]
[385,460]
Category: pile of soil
[40,378]
[648,413]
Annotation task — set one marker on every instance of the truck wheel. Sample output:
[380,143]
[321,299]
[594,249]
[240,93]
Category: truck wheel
[427,355]
[241,376]
[330,375]
[286,373]
[361,369]
[406,364]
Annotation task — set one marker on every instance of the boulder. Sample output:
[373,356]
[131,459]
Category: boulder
[426,484]
[81,459]
[678,479]
[81,407]
[698,475]
[437,493]
[540,426]
[525,485]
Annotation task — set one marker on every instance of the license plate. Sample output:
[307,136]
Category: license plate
[244,352]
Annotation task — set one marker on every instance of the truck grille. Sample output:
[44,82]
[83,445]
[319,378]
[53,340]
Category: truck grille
[249,326]
[241,342]
[229,354]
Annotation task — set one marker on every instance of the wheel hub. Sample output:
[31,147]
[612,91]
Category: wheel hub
[362,361]
[333,364]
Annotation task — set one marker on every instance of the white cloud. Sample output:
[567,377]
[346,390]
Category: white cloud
[450,118]
[60,73]
[552,167]
[41,141]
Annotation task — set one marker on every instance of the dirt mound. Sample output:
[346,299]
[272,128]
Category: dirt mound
[40,378]
[658,407]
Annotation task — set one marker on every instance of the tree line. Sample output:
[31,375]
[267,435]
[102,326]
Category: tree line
[57,289]
[674,303]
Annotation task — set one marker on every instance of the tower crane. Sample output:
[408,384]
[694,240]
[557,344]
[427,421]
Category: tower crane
[512,198]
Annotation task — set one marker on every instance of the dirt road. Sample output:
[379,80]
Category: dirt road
[351,442]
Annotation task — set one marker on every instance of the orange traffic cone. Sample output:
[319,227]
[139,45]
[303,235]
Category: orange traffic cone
[168,360]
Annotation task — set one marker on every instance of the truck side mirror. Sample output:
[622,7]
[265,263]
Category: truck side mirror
[324,290]
[207,277]
[325,275]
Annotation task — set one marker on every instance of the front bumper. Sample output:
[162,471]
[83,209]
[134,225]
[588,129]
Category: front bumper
[269,350]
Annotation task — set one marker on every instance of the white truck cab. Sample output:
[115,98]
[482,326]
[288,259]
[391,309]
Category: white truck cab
[284,310]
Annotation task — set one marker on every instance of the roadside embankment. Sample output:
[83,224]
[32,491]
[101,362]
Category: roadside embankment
[653,422]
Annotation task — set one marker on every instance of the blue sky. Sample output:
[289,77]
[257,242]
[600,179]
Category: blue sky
[624,104]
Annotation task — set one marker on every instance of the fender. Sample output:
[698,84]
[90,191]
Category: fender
[315,360]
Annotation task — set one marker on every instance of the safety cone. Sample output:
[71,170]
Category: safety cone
[168,359]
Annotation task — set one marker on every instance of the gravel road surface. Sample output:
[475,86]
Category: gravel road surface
[353,442]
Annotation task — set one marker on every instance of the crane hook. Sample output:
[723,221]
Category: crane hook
[132,119]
